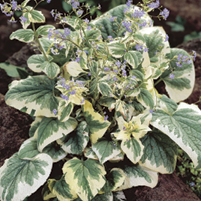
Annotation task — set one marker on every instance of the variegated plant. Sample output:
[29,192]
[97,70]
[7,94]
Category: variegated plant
[96,108]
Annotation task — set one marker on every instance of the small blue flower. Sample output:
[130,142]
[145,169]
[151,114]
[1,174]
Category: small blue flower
[171,76]
[165,13]
[55,111]
[86,20]
[48,1]
[166,38]
[23,19]
[106,117]
[192,184]
[129,3]
[179,64]
[14,5]
[88,28]
[80,12]
[110,38]
[66,31]
[154,5]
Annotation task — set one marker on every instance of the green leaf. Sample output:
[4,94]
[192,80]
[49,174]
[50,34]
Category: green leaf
[160,152]
[104,88]
[61,189]
[108,27]
[182,85]
[28,149]
[67,7]
[76,142]
[35,93]
[43,30]
[145,98]
[133,149]
[51,69]
[116,49]
[138,176]
[183,127]
[51,129]
[20,178]
[14,71]
[35,62]
[96,123]
[115,179]
[22,35]
[105,150]
[55,152]
[86,178]
[134,58]
[36,16]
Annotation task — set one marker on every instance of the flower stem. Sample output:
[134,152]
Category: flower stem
[37,40]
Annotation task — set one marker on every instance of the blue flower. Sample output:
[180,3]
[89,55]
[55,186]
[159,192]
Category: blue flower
[23,19]
[106,117]
[165,13]
[110,38]
[154,5]
[66,31]
[129,3]
[179,64]
[48,1]
[14,5]
[166,38]
[171,76]
[86,20]
[88,28]
[55,111]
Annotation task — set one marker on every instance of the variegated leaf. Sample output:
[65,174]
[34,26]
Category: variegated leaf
[61,189]
[55,151]
[115,179]
[103,197]
[97,124]
[104,88]
[20,178]
[116,49]
[64,110]
[133,149]
[105,150]
[160,152]
[36,16]
[73,68]
[35,93]
[44,30]
[86,178]
[76,142]
[182,85]
[51,129]
[22,35]
[51,69]
[28,149]
[138,176]
[145,98]
[35,61]
[119,196]
[183,127]
[134,58]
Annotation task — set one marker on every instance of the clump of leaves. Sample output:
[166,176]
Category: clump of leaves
[96,107]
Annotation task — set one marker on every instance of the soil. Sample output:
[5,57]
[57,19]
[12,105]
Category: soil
[14,124]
